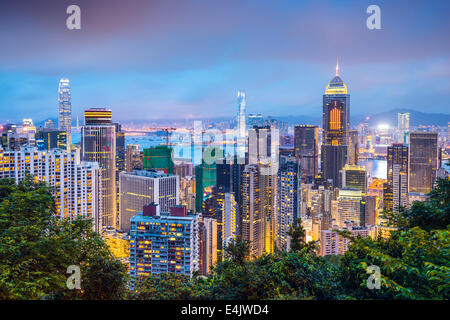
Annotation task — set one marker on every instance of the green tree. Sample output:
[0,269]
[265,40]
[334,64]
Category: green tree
[413,262]
[36,249]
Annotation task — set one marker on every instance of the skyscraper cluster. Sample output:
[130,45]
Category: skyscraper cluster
[179,214]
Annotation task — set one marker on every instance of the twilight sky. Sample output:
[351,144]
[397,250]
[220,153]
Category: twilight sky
[150,59]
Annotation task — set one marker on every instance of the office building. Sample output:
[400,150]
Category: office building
[48,139]
[354,177]
[141,187]
[333,159]
[350,207]
[65,110]
[306,145]
[423,161]
[98,144]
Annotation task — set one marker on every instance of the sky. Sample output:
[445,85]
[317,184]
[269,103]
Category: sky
[186,59]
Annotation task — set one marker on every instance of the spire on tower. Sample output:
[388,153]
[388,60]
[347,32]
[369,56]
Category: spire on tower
[337,68]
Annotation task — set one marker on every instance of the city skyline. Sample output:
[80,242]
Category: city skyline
[129,57]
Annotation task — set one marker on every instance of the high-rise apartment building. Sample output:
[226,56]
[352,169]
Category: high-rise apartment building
[207,244]
[306,145]
[98,144]
[423,161]
[142,187]
[163,242]
[75,186]
[332,243]
[229,219]
[65,110]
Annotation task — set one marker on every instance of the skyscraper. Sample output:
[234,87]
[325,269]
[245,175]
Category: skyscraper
[241,125]
[335,124]
[229,219]
[395,191]
[306,145]
[98,144]
[336,111]
[288,198]
[65,110]
[141,187]
[252,220]
[423,161]
[403,127]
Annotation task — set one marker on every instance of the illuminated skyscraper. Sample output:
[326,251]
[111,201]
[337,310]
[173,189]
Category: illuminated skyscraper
[423,161]
[229,219]
[306,144]
[288,198]
[241,125]
[65,110]
[336,111]
[403,127]
[335,124]
[98,144]
[252,221]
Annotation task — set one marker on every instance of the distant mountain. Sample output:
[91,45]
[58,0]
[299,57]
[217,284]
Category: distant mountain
[415,118]
[389,117]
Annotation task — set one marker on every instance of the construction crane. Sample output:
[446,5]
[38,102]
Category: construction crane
[167,130]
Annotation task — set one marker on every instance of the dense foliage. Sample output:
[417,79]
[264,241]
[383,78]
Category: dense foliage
[36,249]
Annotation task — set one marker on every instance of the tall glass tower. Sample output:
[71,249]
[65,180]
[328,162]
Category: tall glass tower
[65,110]
[241,125]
